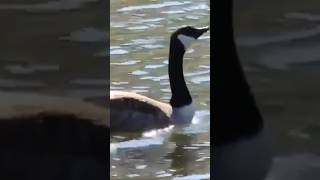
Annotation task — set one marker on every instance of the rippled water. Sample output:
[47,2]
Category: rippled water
[54,47]
[278,43]
[58,47]
[140,32]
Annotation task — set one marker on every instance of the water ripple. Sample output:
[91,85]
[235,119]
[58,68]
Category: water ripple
[10,83]
[153,6]
[194,176]
[88,34]
[32,68]
[48,6]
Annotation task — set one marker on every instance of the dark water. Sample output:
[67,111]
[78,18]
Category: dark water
[278,43]
[55,47]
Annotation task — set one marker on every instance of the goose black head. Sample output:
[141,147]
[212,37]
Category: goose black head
[186,35]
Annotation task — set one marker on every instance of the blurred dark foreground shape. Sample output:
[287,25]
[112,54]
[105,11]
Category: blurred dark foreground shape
[51,144]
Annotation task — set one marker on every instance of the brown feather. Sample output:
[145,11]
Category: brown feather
[15,105]
[134,112]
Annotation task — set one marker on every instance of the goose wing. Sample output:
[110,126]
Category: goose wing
[24,105]
[134,112]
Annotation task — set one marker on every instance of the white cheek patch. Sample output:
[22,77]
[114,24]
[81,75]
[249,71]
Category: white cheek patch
[186,40]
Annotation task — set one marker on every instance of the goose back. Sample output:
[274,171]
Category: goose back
[133,112]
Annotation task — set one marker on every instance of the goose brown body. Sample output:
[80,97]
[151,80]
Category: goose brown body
[42,136]
[134,112]
[16,105]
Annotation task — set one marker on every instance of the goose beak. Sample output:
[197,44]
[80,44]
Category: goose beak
[202,31]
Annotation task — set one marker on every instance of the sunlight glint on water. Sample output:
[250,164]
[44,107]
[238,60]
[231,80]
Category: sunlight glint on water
[140,33]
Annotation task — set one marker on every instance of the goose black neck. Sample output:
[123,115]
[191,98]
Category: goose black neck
[235,112]
[180,93]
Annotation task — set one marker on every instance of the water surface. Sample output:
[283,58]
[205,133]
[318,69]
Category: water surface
[140,32]
[54,47]
[278,44]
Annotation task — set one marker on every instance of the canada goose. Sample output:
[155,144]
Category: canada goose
[47,137]
[241,147]
[134,112]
